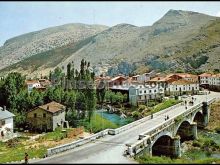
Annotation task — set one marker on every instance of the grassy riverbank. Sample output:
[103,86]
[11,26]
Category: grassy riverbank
[98,123]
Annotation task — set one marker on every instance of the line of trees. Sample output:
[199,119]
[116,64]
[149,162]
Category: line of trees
[80,102]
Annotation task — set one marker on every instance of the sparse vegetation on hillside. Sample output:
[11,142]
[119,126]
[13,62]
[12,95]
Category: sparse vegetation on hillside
[180,39]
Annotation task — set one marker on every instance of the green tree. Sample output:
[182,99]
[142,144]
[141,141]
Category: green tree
[68,71]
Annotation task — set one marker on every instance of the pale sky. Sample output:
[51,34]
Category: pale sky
[17,18]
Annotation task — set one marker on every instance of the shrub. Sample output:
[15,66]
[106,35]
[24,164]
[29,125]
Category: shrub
[141,108]
[196,143]
[217,129]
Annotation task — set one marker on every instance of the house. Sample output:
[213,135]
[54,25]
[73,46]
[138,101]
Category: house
[182,86]
[188,77]
[116,81]
[162,81]
[44,83]
[47,117]
[143,77]
[144,93]
[32,84]
[6,123]
[210,81]
[177,83]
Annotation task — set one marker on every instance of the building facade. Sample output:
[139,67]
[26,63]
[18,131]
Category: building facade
[210,81]
[181,87]
[6,122]
[46,117]
[143,93]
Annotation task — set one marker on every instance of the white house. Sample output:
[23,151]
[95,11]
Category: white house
[6,122]
[214,80]
[143,93]
[209,80]
[32,84]
[182,86]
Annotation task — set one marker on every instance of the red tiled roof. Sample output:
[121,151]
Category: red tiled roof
[182,82]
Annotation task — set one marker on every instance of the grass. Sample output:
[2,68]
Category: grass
[15,150]
[98,123]
[161,106]
[56,135]
[195,157]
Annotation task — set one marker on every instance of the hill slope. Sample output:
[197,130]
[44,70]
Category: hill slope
[26,45]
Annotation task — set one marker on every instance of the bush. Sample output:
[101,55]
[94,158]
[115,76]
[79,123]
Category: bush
[217,129]
[141,108]
[98,123]
[196,143]
[136,114]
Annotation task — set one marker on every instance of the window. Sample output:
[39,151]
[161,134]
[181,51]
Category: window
[2,123]
[35,115]
[144,91]
[149,91]
[140,92]
[155,91]
[44,115]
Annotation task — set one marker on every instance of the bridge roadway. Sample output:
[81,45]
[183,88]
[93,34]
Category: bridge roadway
[110,148]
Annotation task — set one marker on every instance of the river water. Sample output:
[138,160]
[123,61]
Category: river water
[114,118]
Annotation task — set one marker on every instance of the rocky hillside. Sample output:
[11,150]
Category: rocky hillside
[26,45]
[180,39]
[158,46]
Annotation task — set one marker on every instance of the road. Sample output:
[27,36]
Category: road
[110,148]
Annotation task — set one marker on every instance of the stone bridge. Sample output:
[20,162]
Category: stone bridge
[165,139]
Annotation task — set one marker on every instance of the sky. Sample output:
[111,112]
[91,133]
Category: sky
[17,18]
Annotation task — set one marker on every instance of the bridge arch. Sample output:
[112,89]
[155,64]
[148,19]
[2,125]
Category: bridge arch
[163,146]
[185,130]
[199,119]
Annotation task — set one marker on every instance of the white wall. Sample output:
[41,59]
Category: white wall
[188,87]
[31,86]
[8,124]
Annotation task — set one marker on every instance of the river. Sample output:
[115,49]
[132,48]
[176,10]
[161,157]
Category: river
[114,118]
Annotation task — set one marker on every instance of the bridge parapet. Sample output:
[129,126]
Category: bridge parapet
[135,123]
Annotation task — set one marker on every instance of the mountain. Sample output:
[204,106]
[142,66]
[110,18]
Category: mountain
[180,39]
[26,45]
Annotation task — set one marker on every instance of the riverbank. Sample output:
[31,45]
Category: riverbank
[141,110]
[205,150]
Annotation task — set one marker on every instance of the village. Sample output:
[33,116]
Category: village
[136,93]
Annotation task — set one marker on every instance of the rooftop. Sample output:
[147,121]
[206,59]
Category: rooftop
[182,82]
[115,78]
[31,81]
[52,107]
[4,114]
[205,75]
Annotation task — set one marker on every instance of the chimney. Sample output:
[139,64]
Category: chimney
[4,108]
